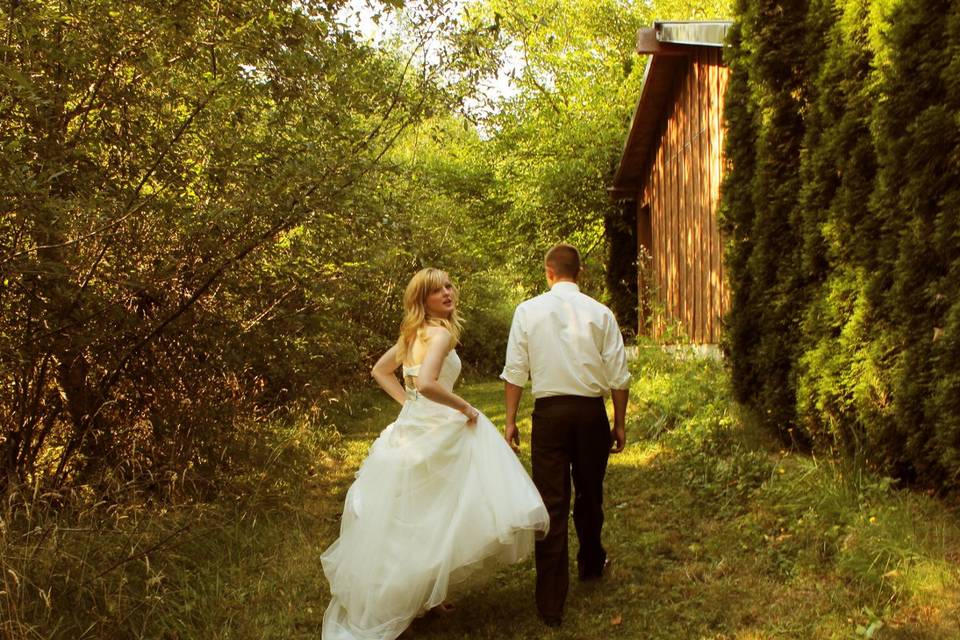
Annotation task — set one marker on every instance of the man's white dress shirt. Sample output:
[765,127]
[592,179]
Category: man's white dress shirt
[567,343]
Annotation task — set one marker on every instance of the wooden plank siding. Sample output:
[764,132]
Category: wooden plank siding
[681,192]
[721,132]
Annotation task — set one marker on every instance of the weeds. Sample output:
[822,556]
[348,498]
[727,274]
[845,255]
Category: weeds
[118,560]
[715,532]
[879,553]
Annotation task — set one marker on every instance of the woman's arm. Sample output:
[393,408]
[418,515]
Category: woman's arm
[383,373]
[438,345]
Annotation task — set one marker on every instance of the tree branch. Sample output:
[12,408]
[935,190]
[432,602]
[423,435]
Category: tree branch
[129,209]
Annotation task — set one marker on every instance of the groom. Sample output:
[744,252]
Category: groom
[571,348]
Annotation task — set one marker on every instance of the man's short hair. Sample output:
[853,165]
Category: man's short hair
[564,260]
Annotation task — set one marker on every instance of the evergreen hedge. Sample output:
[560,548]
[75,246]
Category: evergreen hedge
[841,209]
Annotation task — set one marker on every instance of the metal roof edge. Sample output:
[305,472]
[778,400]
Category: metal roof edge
[705,34]
[668,34]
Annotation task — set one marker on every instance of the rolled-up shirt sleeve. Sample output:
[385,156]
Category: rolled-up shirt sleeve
[516,367]
[615,356]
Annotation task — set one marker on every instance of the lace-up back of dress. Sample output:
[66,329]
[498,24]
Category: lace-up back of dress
[449,372]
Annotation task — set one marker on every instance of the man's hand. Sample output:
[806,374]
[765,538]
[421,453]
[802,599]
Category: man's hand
[511,398]
[619,434]
[512,435]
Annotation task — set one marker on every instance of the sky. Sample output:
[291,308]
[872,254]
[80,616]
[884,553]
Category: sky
[378,26]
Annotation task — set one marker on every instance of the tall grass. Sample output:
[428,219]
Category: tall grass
[120,560]
[715,532]
[802,519]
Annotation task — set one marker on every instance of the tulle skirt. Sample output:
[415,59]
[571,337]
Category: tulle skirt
[435,502]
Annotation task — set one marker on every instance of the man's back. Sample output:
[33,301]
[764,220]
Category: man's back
[568,343]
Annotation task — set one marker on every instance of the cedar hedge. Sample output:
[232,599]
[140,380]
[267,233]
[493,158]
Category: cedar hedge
[841,212]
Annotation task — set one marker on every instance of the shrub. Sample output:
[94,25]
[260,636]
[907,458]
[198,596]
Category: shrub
[839,199]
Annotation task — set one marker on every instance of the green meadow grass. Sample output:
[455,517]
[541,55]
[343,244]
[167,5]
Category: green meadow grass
[714,532]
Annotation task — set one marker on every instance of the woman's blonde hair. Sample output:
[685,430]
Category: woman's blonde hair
[415,318]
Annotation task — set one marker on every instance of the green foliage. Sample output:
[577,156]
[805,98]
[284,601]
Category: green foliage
[434,195]
[839,200]
[200,226]
[919,178]
[713,531]
[622,279]
[683,401]
[774,85]
[736,214]
[837,377]
[554,143]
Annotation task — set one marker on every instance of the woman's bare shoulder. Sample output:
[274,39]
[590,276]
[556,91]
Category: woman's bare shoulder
[436,331]
[438,336]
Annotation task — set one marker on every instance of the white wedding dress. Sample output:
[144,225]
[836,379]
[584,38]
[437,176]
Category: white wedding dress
[435,501]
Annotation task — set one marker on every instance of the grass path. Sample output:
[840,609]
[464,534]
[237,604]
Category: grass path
[714,531]
[730,543]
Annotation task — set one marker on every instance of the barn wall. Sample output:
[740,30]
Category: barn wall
[682,191]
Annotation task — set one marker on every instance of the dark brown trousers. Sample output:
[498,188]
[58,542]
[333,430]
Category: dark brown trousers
[570,438]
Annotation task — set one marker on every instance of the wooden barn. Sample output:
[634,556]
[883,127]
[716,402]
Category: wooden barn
[670,173]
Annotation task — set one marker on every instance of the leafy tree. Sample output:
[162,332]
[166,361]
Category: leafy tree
[554,141]
[161,166]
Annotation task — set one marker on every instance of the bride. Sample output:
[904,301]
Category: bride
[440,495]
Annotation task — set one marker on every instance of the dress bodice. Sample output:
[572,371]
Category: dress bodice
[449,372]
